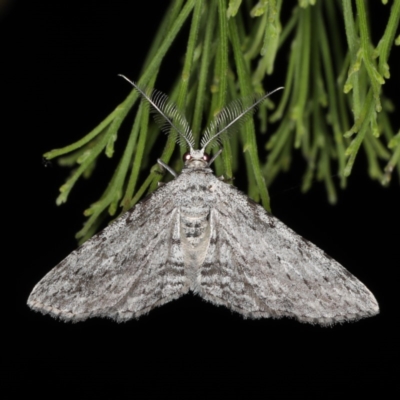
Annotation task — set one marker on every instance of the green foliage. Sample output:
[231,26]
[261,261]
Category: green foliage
[331,107]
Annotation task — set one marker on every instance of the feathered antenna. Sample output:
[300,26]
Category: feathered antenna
[230,118]
[167,115]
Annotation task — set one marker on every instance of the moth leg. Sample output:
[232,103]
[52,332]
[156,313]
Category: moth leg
[226,180]
[215,156]
[167,167]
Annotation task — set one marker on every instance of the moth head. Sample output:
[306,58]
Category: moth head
[196,159]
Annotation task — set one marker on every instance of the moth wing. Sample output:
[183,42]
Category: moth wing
[132,266]
[259,267]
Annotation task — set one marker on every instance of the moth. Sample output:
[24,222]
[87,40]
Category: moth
[198,233]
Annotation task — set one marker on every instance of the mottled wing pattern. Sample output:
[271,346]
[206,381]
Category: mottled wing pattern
[132,266]
[259,267]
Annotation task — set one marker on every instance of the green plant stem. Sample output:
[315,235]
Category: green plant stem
[203,72]
[86,139]
[223,81]
[386,42]
[245,88]
[352,40]
[376,79]
[333,110]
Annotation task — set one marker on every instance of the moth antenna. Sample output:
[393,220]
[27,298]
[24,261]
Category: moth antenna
[167,115]
[231,117]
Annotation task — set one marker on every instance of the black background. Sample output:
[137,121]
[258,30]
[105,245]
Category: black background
[59,78]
